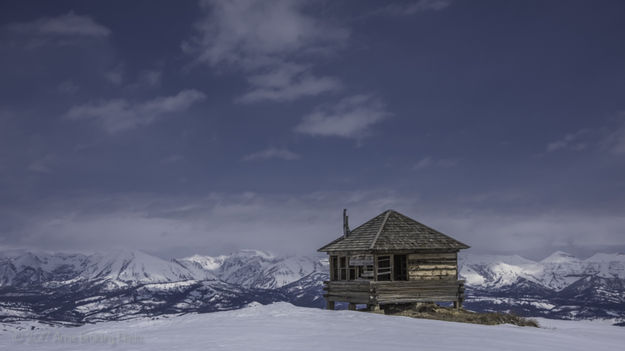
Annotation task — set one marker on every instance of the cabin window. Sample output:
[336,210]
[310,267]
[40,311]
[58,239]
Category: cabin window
[384,268]
[399,267]
[352,273]
[334,264]
[343,268]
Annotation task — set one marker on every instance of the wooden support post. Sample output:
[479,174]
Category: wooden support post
[457,304]
[374,308]
[351,306]
[330,305]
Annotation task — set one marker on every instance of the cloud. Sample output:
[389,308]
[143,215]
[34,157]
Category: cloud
[144,79]
[272,153]
[217,223]
[253,33]
[351,117]
[572,141]
[150,78]
[115,75]
[68,87]
[614,141]
[424,163]
[120,115]
[608,138]
[211,223]
[287,82]
[64,25]
[42,165]
[428,162]
[172,158]
[412,7]
[267,40]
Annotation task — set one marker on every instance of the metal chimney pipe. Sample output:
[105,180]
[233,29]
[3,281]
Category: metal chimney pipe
[345,223]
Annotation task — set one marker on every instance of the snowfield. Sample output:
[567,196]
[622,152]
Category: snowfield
[282,326]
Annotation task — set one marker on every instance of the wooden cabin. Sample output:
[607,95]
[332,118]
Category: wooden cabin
[392,259]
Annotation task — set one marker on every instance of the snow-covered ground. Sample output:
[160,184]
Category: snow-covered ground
[282,326]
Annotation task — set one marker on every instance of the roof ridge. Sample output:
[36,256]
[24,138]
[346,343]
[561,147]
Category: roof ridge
[377,235]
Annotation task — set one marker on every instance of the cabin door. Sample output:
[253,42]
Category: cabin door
[400,269]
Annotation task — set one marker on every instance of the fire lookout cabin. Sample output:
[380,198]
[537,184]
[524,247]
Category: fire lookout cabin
[392,259]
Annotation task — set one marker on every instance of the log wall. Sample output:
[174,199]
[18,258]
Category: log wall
[432,266]
[355,291]
[393,292]
[417,291]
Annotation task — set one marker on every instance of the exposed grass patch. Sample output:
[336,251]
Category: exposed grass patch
[433,311]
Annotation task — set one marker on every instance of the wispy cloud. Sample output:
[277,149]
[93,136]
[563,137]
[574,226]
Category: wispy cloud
[407,8]
[120,114]
[572,141]
[150,78]
[119,76]
[42,165]
[272,153]
[50,29]
[614,141]
[221,222]
[259,32]
[609,138]
[115,75]
[264,38]
[287,82]
[351,117]
[429,162]
[273,42]
[68,87]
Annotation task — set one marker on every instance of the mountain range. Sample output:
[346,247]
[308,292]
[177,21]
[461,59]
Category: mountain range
[74,289]
[559,286]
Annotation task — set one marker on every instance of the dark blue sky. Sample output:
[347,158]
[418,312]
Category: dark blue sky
[207,127]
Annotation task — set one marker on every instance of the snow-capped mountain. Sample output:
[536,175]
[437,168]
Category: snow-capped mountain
[258,269]
[79,288]
[120,268]
[555,272]
[135,267]
[559,286]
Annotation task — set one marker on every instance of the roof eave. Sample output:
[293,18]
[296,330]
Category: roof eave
[324,248]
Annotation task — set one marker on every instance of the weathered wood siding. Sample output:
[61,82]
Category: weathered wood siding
[433,266]
[416,291]
[355,291]
[393,292]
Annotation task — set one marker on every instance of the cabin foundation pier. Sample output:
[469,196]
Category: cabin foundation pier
[458,304]
[373,308]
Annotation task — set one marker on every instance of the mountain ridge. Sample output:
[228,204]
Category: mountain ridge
[79,288]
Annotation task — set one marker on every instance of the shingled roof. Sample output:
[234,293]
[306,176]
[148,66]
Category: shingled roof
[391,230]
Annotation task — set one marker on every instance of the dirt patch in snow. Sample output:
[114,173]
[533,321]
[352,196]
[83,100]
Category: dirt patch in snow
[433,311]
